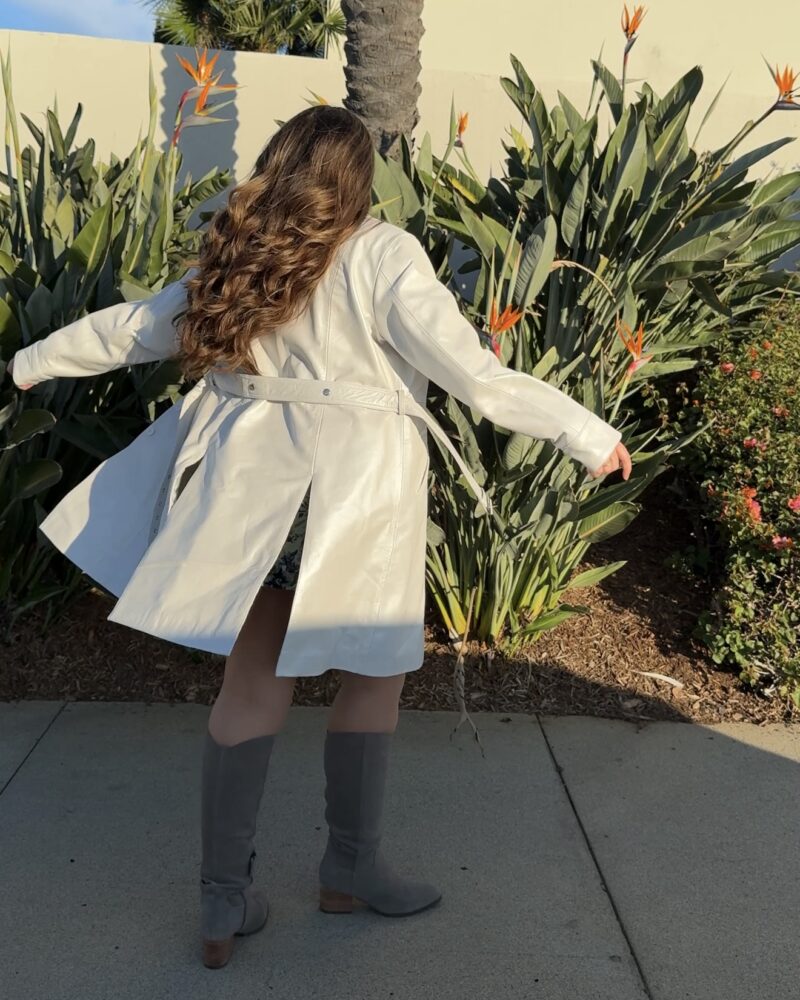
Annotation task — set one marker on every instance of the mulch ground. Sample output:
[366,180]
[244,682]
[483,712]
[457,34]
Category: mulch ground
[640,619]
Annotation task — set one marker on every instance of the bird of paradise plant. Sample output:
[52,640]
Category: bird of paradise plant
[499,324]
[630,26]
[634,345]
[458,143]
[788,89]
[205,85]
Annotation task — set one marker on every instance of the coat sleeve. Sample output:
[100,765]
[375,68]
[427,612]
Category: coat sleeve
[420,318]
[128,333]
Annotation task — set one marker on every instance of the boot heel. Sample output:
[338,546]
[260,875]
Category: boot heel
[331,901]
[217,953]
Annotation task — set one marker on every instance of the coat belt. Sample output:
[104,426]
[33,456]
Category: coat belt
[336,392]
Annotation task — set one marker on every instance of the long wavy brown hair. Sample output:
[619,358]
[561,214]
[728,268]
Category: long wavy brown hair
[266,250]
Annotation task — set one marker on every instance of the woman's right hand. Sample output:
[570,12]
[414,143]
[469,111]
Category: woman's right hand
[9,368]
[619,458]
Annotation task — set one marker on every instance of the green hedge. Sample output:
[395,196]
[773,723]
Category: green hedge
[746,466]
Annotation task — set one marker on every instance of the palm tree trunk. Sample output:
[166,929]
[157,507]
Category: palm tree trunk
[383,66]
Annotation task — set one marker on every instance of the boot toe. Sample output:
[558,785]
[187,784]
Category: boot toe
[412,898]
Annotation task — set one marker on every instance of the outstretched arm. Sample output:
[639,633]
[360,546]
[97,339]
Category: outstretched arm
[420,318]
[128,333]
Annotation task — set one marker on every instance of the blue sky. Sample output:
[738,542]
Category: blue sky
[104,18]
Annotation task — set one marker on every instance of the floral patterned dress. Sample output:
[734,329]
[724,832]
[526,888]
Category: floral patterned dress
[284,573]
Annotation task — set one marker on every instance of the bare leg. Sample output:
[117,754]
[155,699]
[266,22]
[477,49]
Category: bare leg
[366,704]
[252,700]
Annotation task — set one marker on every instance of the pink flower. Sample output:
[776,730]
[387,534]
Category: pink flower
[753,506]
[727,367]
[750,442]
[755,374]
[781,542]
[794,503]
[780,411]
[767,345]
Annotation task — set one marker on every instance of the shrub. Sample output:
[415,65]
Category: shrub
[745,467]
[579,239]
[77,235]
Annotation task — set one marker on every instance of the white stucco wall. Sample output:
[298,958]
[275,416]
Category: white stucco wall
[464,49]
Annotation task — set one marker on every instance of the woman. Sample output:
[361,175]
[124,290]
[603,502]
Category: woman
[300,452]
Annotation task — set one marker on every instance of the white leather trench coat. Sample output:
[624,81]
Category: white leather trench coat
[184,523]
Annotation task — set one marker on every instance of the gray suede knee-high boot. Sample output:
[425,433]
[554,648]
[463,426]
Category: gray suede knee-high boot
[353,866]
[232,785]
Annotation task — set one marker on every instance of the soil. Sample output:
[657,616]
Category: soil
[641,619]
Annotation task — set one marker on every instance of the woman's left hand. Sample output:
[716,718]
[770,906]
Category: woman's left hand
[618,459]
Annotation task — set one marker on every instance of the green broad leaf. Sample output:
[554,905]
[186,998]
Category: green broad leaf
[679,99]
[743,163]
[653,368]
[469,444]
[91,244]
[604,497]
[574,118]
[594,575]
[35,131]
[424,162]
[710,297]
[607,522]
[520,450]
[537,259]
[8,409]
[550,619]
[56,137]
[712,246]
[9,330]
[772,244]
[611,86]
[480,234]
[64,220]
[34,477]
[30,423]
[162,381]
[778,189]
[435,535]
[93,440]
[547,363]
[572,217]
[633,169]
[668,140]
[39,309]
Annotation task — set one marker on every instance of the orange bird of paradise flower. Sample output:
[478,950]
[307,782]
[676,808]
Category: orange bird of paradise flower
[786,82]
[632,22]
[205,84]
[462,127]
[201,73]
[499,324]
[633,344]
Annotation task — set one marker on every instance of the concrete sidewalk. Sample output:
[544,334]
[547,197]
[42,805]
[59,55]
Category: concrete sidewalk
[580,859]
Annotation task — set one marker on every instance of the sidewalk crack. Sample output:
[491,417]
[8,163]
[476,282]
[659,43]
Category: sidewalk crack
[604,885]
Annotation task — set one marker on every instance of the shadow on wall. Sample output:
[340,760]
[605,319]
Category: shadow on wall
[210,145]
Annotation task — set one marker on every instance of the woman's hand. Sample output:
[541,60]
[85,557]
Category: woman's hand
[619,458]
[9,368]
